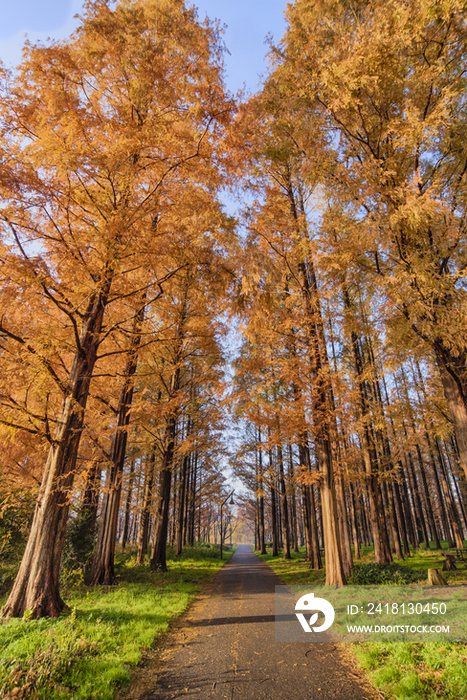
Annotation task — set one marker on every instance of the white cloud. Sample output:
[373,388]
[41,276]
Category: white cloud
[11,47]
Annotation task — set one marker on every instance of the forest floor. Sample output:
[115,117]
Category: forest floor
[93,649]
[400,671]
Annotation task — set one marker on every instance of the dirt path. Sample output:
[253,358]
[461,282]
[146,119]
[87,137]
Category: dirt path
[225,648]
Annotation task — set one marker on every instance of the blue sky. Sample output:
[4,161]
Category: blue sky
[248,22]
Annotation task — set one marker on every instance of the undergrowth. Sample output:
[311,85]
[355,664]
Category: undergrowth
[371,574]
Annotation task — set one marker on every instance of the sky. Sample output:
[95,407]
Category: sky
[248,23]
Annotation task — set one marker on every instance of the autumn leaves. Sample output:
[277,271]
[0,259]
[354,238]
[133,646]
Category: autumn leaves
[356,253]
[109,205]
[118,265]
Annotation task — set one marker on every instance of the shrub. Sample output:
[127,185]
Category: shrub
[370,574]
[80,541]
[16,511]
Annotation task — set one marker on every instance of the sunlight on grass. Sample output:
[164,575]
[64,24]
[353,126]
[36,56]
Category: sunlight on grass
[293,571]
[416,671]
[88,653]
[405,670]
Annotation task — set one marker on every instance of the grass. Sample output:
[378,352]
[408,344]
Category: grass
[293,571]
[400,671]
[88,653]
[415,671]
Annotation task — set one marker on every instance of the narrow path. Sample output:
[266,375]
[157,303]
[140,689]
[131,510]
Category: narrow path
[226,648]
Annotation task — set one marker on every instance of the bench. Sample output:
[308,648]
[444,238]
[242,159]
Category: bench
[450,560]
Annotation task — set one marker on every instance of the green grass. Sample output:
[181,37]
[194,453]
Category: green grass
[293,571]
[415,671]
[89,652]
[400,671]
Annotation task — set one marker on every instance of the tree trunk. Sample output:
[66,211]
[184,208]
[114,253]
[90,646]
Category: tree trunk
[454,480]
[275,547]
[393,521]
[143,532]
[442,506]
[126,516]
[90,502]
[102,569]
[449,502]
[36,587]
[401,516]
[453,378]
[436,578]
[158,557]
[181,507]
[344,525]
[193,498]
[285,509]
[294,528]
[423,533]
[429,508]
[355,534]
[309,513]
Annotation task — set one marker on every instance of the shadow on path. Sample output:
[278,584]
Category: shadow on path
[226,648]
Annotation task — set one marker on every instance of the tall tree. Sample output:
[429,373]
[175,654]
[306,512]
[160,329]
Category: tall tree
[104,130]
[387,79]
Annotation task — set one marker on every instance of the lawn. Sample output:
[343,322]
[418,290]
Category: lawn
[89,652]
[400,671]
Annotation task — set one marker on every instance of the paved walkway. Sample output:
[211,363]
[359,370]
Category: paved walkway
[225,649]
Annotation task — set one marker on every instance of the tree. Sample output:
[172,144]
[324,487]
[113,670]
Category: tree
[279,220]
[386,82]
[104,130]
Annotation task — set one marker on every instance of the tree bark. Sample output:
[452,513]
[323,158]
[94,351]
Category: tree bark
[355,533]
[294,528]
[126,516]
[36,587]
[90,502]
[429,508]
[275,544]
[181,506]
[449,502]
[158,560]
[143,532]
[285,509]
[453,374]
[102,569]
